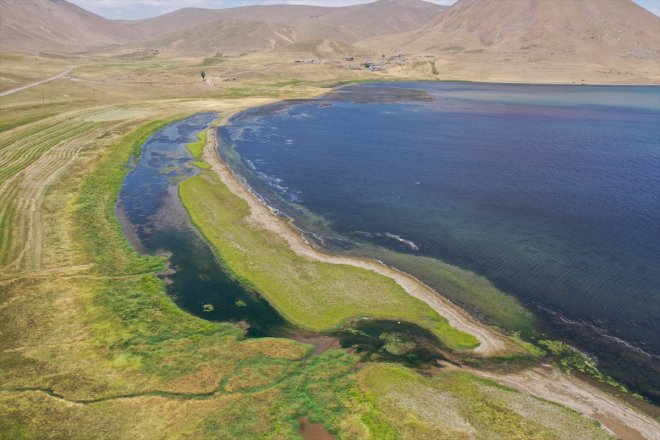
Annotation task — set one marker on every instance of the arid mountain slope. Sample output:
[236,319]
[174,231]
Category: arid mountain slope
[594,30]
[565,41]
[279,24]
[227,35]
[381,17]
[188,18]
[56,24]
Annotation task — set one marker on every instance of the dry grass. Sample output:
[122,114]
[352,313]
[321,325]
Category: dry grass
[457,405]
[18,70]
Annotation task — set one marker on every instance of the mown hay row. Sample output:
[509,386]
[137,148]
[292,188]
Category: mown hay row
[21,196]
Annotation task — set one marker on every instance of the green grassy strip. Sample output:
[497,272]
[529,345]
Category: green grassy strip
[196,148]
[313,295]
[98,227]
[8,124]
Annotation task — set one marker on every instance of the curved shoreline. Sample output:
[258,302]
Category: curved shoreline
[491,342]
[545,381]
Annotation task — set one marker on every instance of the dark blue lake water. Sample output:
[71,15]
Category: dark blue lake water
[550,192]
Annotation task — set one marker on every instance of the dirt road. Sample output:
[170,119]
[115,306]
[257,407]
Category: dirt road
[20,89]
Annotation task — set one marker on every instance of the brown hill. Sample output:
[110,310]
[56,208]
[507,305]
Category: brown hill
[56,24]
[279,24]
[188,18]
[381,17]
[538,40]
[593,30]
[324,48]
[227,36]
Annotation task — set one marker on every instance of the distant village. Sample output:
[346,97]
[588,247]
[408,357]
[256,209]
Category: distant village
[379,65]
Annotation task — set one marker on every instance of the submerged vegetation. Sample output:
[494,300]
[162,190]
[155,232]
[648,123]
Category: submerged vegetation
[475,293]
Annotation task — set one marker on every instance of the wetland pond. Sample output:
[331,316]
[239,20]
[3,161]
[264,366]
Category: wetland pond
[156,223]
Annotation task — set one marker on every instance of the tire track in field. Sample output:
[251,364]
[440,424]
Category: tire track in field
[22,193]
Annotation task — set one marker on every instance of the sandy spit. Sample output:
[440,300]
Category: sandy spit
[491,342]
[550,383]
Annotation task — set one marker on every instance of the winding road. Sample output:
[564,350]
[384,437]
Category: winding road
[19,89]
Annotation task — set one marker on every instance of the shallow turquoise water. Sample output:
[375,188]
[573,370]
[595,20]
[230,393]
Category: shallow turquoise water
[550,192]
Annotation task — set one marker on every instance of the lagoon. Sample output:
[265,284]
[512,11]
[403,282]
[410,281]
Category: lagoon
[156,223]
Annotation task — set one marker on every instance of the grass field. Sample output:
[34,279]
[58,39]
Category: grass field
[19,70]
[110,341]
[457,405]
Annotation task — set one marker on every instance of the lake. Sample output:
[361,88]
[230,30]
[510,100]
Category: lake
[551,193]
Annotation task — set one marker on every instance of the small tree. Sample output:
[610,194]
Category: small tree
[203,75]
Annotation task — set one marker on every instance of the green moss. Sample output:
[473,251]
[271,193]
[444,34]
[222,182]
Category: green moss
[396,344]
[196,148]
[570,360]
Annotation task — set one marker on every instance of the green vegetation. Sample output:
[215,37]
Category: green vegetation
[97,225]
[571,360]
[457,405]
[214,60]
[91,345]
[8,122]
[313,295]
[472,291]
[196,148]
[22,154]
[396,343]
